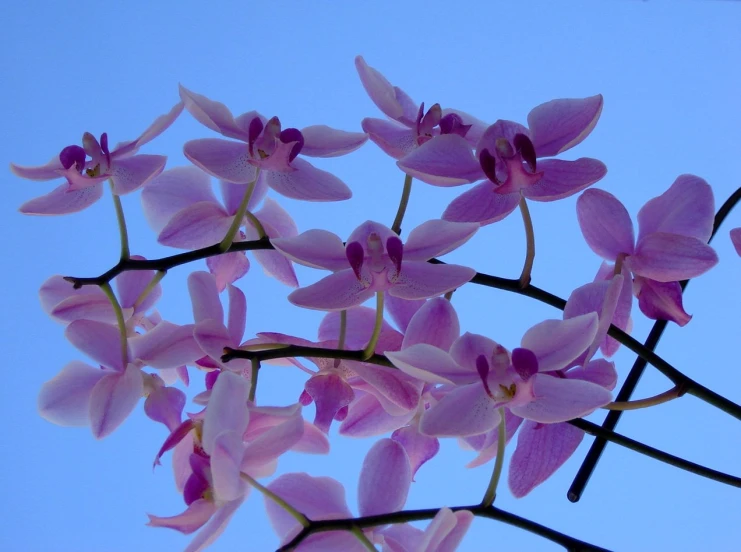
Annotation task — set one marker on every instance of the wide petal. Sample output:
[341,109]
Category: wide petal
[49,171]
[337,291]
[736,239]
[214,115]
[559,125]
[490,448]
[463,411]
[564,178]
[445,160]
[62,201]
[98,340]
[401,310]
[314,248]
[419,448]
[605,224]
[599,371]
[330,394]
[215,526]
[481,204]
[435,323]
[687,208]
[228,268]
[165,405]
[380,90]
[419,280]
[390,384]
[468,347]
[160,124]
[661,300]
[166,345]
[65,399]
[437,237]
[393,138]
[308,183]
[199,225]
[360,322]
[559,400]
[223,159]
[430,364]
[273,443]
[113,398]
[226,410]
[131,284]
[385,479]
[131,173]
[192,519]
[237,318]
[541,450]
[204,296]
[671,257]
[226,458]
[558,342]
[366,417]
[446,531]
[324,141]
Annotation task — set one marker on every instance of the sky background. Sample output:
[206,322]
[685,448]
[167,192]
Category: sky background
[669,73]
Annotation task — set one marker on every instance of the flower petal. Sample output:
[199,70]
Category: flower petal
[558,342]
[65,399]
[160,124]
[419,280]
[671,257]
[380,90]
[49,171]
[661,300]
[308,183]
[564,178]
[463,411]
[419,448]
[435,323]
[228,268]
[437,237]
[385,479]
[337,291]
[98,340]
[113,398]
[559,400]
[131,173]
[445,160]
[192,519]
[205,297]
[430,364]
[226,410]
[605,224]
[199,225]
[736,239]
[62,201]
[314,248]
[394,139]
[324,141]
[223,159]
[401,310]
[166,345]
[481,204]
[366,417]
[214,115]
[559,125]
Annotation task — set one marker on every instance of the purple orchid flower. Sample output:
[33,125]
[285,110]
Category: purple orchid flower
[126,170]
[265,147]
[410,125]
[181,207]
[736,239]
[378,261]
[674,229]
[483,376]
[507,155]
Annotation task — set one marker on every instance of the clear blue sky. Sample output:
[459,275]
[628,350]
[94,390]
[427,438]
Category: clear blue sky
[669,73]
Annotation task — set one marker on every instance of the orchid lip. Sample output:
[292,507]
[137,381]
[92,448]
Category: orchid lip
[355,256]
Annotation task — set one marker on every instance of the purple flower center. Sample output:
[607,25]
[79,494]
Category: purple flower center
[512,165]
[263,140]
[375,259]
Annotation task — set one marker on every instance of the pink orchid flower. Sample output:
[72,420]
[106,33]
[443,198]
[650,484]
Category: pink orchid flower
[126,170]
[507,155]
[181,207]
[674,229]
[378,261]
[483,376]
[410,125]
[263,145]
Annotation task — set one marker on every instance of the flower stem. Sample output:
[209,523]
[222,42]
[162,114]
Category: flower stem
[343,334]
[358,532]
[257,225]
[301,518]
[150,286]
[226,243]
[253,378]
[666,396]
[396,226]
[106,287]
[491,490]
[530,236]
[122,232]
[371,347]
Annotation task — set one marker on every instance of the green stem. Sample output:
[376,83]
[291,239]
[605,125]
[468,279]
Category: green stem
[150,286]
[301,518]
[530,236]
[119,319]
[226,243]
[396,226]
[257,225]
[253,378]
[342,336]
[371,347]
[358,532]
[491,490]
[673,393]
[122,232]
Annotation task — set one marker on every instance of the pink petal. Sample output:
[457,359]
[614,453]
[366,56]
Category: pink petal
[419,448]
[166,346]
[56,289]
[131,173]
[446,531]
[215,526]
[237,318]
[337,291]
[49,171]
[559,125]
[85,306]
[65,399]
[430,364]
[233,194]
[385,479]
[605,223]
[367,418]
[559,400]
[172,191]
[308,183]
[687,208]
[435,323]
[226,459]
[228,268]
[98,340]
[223,159]
[273,443]
[671,257]
[214,115]
[419,280]
[437,237]
[599,371]
[315,248]
[401,310]
[463,411]
[661,300]
[564,178]
[446,160]
[204,296]
[330,393]
[112,400]
[481,204]
[394,139]
[478,127]
[159,125]
[278,219]
[313,441]
[468,347]
[736,239]
[490,446]
[558,342]
[390,384]
[541,450]
[212,336]
[165,405]
[324,141]
[226,410]
[358,330]
[60,201]
[199,225]
[380,90]
[131,284]
[192,519]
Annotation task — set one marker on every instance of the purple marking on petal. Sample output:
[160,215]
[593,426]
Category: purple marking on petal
[452,123]
[482,367]
[211,378]
[194,488]
[524,362]
[488,165]
[104,147]
[355,254]
[395,250]
[72,155]
[293,135]
[305,399]
[523,144]
[420,114]
[254,131]
[342,414]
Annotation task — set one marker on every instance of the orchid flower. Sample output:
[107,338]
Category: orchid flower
[126,170]
[736,239]
[673,231]
[265,148]
[376,260]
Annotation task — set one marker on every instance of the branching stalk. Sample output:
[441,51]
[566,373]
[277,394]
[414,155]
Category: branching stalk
[396,226]
[491,490]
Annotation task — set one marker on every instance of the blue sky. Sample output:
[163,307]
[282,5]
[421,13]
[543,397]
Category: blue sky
[669,73]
